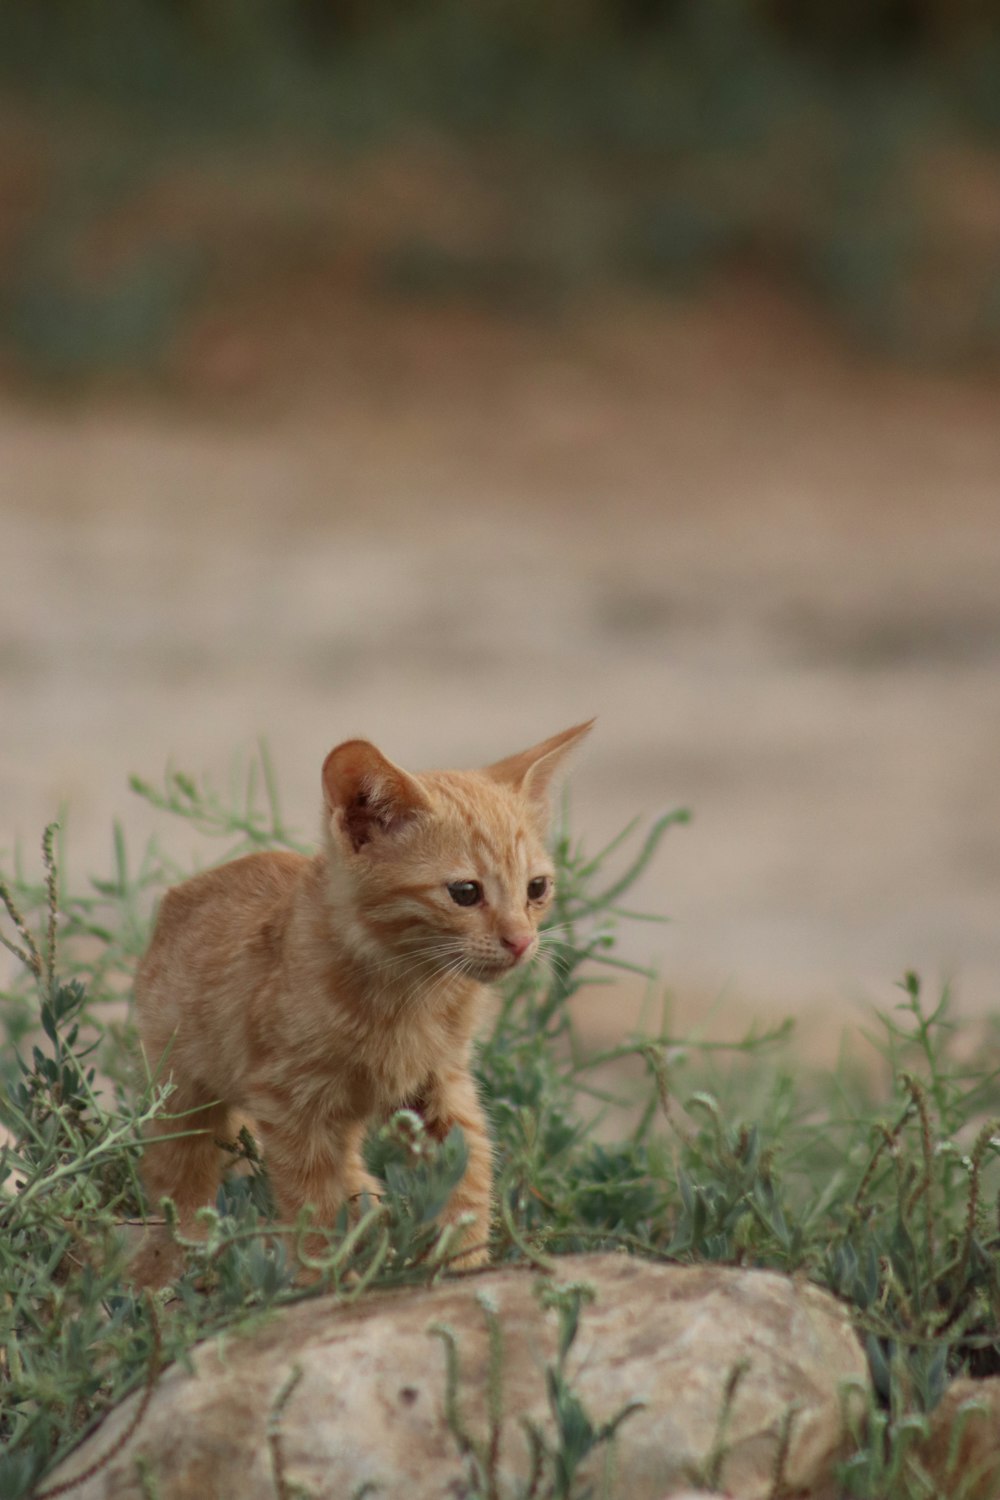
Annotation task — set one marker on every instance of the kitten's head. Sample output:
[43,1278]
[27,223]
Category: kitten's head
[446,871]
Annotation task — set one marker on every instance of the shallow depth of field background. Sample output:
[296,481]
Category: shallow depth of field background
[448,373]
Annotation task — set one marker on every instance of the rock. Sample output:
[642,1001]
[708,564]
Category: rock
[962,1452]
[369,1407]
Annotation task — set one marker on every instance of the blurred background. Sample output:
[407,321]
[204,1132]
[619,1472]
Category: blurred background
[449,371]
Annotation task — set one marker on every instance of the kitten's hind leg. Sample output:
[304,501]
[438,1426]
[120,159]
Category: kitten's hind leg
[182,1161]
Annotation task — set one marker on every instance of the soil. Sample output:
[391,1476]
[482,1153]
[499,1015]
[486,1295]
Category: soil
[768,563]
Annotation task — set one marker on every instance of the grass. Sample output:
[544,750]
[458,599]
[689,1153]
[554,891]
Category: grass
[886,1194]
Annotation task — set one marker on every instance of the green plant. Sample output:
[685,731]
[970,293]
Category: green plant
[557,1466]
[72,1339]
[886,1192]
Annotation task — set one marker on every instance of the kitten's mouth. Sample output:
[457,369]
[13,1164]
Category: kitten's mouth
[499,967]
[486,972]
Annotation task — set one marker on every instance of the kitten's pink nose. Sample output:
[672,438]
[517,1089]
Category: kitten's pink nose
[519,943]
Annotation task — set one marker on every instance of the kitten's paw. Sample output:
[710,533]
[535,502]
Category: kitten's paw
[471,1259]
[158,1261]
[365,1186]
[470,1245]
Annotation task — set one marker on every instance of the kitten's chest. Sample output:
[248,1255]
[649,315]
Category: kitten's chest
[338,1050]
[366,1071]
[393,1047]
[400,1058]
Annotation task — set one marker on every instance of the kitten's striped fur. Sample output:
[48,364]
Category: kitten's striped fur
[319,995]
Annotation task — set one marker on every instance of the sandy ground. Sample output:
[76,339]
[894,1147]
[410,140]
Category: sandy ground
[770,567]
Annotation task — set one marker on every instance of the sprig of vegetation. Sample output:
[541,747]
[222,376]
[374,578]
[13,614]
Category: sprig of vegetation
[886,1192]
[557,1466]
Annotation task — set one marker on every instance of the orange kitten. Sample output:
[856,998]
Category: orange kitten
[320,995]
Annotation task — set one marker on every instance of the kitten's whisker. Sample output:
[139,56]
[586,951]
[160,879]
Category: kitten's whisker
[443,978]
[417,967]
[432,962]
[556,963]
[556,955]
[547,965]
[425,956]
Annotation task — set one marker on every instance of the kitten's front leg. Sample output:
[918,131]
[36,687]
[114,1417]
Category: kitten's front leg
[447,1100]
[319,1167]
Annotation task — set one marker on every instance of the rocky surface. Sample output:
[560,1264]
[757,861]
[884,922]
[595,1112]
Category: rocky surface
[369,1406]
[962,1452]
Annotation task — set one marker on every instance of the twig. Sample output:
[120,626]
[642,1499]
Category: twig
[717,1454]
[274,1441]
[923,1187]
[778,1488]
[52,892]
[29,954]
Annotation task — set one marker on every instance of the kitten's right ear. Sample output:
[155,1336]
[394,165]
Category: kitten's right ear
[367,794]
[531,771]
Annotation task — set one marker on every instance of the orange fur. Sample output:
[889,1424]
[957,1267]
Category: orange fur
[319,995]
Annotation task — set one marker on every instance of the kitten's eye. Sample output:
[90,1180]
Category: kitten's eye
[466,892]
[538,888]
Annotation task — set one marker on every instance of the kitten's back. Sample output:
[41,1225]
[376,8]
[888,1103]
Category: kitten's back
[218,938]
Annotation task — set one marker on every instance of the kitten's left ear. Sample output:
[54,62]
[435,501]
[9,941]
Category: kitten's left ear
[531,771]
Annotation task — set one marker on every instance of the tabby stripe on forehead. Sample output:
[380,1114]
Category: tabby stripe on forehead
[468,806]
[507,850]
[496,850]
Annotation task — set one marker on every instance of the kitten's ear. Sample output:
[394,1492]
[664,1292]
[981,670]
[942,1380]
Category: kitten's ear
[531,771]
[367,793]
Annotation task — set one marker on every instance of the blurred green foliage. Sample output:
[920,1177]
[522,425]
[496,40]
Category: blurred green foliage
[671,137]
[498,62]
